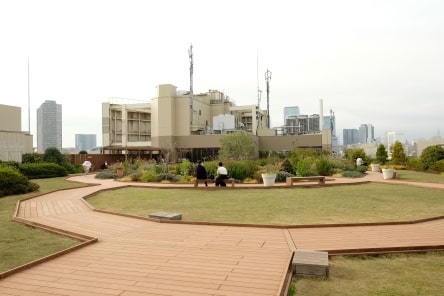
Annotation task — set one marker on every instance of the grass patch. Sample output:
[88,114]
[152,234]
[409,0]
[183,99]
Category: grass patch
[20,244]
[395,275]
[419,176]
[339,204]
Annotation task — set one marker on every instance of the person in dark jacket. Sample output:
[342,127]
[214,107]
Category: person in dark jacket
[201,172]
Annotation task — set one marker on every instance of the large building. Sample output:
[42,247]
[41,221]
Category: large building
[291,111]
[350,136]
[176,125]
[366,133]
[49,126]
[85,141]
[13,142]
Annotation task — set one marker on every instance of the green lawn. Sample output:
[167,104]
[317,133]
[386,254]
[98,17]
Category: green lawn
[20,244]
[419,176]
[394,275]
[339,204]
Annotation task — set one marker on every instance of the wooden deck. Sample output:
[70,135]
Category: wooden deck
[141,257]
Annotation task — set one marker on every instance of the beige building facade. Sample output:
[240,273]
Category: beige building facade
[13,142]
[182,125]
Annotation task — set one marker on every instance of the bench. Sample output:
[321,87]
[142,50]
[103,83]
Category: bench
[319,179]
[201,181]
[307,262]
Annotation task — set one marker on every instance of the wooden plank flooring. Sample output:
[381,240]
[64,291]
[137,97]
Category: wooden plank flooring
[140,257]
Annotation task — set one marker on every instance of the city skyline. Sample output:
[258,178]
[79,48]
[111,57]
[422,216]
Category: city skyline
[378,61]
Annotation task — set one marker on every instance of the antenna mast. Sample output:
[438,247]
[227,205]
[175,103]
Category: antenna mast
[267,79]
[190,54]
[29,103]
[259,92]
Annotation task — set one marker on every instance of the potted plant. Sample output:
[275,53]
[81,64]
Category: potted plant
[376,167]
[269,177]
[388,172]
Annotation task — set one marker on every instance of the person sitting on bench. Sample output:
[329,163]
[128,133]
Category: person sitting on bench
[222,174]
[201,172]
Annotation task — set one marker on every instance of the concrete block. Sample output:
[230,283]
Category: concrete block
[306,262]
[166,216]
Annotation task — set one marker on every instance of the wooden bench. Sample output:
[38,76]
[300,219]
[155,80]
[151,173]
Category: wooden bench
[201,181]
[319,179]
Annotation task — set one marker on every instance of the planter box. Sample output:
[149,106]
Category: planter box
[375,167]
[388,173]
[268,179]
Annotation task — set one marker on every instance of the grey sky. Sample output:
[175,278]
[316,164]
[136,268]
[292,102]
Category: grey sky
[378,62]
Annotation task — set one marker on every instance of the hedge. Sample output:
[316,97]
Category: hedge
[43,170]
[13,182]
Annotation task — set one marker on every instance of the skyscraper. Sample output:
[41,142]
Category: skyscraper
[85,141]
[366,133]
[49,126]
[291,111]
[350,137]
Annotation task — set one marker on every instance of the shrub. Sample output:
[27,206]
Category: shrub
[282,176]
[352,174]
[165,176]
[32,158]
[241,170]
[148,176]
[287,166]
[185,168]
[10,163]
[135,176]
[106,175]
[53,155]
[305,167]
[324,166]
[437,166]
[414,164]
[431,154]
[13,182]
[42,170]
[361,169]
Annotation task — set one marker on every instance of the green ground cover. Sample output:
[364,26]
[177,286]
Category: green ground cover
[394,275]
[419,176]
[20,244]
[372,202]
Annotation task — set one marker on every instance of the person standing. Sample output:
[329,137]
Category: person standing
[201,172]
[86,166]
[222,174]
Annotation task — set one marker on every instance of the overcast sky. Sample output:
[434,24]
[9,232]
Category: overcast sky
[378,62]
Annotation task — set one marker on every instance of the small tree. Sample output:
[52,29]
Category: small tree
[352,154]
[431,155]
[53,155]
[398,154]
[238,146]
[381,154]
[32,158]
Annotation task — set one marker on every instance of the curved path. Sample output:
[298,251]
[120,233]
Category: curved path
[141,257]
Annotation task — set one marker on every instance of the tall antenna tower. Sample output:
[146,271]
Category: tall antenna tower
[190,54]
[29,103]
[259,91]
[267,79]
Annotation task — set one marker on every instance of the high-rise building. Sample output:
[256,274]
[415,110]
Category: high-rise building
[291,111]
[391,138]
[350,136]
[85,141]
[49,126]
[366,133]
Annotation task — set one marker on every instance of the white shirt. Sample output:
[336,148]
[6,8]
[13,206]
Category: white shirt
[222,171]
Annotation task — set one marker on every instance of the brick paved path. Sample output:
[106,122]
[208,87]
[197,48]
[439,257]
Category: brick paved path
[139,257]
